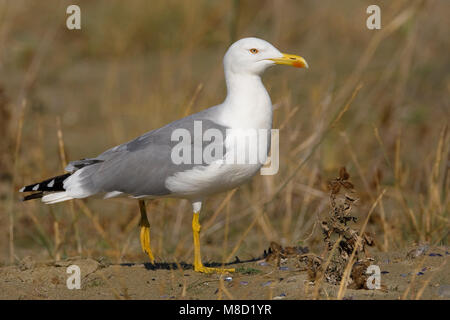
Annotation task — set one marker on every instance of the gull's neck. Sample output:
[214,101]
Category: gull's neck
[247,104]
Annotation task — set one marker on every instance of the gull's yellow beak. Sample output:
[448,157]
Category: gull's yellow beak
[291,60]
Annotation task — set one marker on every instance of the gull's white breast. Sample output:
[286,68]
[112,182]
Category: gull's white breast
[220,175]
[247,107]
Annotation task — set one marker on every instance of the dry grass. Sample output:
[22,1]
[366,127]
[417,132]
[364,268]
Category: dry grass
[375,102]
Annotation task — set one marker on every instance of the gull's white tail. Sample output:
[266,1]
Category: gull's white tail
[56,197]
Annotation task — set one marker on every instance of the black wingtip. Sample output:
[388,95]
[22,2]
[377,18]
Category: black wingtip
[32,196]
[51,184]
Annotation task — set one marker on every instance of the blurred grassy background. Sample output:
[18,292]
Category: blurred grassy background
[137,65]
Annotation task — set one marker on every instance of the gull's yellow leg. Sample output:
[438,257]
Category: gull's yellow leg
[145,231]
[198,265]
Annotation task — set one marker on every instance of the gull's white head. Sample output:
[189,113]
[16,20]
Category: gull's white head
[253,56]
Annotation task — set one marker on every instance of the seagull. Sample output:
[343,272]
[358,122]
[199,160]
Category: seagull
[159,163]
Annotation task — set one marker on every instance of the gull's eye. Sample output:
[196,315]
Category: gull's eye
[254,51]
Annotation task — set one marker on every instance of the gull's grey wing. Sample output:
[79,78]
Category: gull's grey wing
[141,166]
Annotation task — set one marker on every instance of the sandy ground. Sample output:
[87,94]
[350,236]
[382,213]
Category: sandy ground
[426,276]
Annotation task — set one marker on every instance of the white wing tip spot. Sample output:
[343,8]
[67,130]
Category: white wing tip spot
[36,187]
[51,183]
